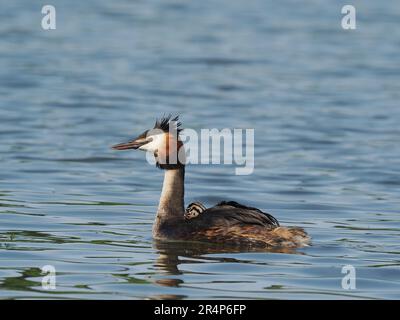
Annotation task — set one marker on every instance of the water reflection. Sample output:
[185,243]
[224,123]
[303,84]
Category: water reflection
[173,254]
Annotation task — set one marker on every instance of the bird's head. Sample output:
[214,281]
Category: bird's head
[162,141]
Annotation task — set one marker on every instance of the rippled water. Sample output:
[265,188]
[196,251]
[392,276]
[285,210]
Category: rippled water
[323,102]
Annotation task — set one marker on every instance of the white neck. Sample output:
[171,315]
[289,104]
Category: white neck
[172,194]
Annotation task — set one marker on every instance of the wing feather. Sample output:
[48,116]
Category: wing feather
[233,213]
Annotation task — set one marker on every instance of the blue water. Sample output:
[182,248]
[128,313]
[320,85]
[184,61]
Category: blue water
[324,103]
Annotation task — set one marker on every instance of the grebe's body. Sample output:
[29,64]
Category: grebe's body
[227,222]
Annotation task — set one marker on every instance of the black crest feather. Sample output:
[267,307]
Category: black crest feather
[165,122]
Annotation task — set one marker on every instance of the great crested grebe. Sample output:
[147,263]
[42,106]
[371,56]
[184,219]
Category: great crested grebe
[228,222]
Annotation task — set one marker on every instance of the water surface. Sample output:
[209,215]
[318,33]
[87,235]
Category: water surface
[323,102]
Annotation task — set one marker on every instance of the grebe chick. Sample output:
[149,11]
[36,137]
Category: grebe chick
[228,223]
[193,210]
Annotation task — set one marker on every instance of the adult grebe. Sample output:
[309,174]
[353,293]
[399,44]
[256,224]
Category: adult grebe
[228,222]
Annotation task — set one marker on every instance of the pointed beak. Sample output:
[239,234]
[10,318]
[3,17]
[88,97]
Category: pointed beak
[133,144]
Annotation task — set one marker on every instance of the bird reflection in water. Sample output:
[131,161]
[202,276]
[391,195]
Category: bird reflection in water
[171,255]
